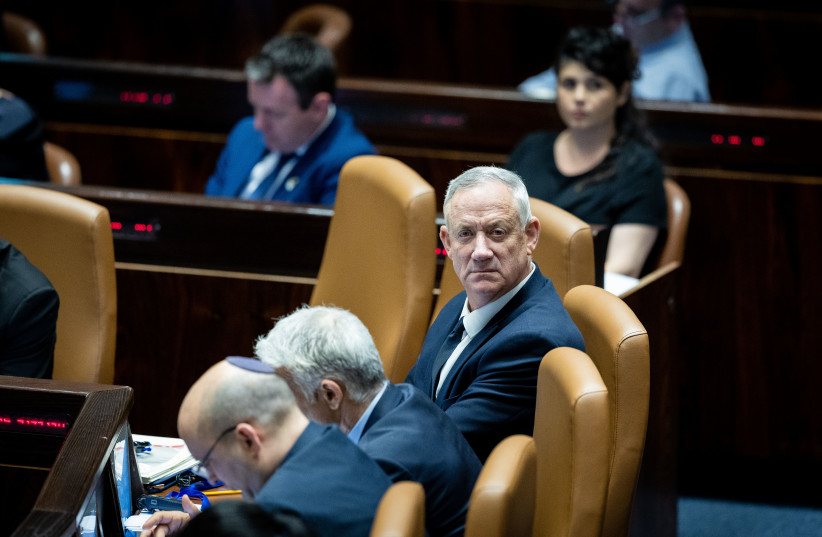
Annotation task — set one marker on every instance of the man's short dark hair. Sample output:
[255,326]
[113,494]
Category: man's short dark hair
[300,59]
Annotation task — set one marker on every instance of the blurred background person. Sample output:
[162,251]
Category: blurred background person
[669,61]
[293,147]
[602,167]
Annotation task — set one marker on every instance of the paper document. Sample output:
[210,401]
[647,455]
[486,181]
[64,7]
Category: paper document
[168,456]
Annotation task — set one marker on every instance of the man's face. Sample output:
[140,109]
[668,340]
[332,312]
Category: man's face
[641,21]
[222,464]
[490,250]
[278,116]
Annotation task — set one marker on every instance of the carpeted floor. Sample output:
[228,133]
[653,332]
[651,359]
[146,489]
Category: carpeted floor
[699,517]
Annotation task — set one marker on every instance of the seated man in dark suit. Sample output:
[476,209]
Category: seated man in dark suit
[21,140]
[294,146]
[331,363]
[28,317]
[480,359]
[242,422]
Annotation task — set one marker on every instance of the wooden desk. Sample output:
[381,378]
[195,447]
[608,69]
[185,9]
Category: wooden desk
[66,475]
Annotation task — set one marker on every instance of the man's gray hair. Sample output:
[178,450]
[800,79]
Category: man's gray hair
[324,342]
[481,175]
[250,397]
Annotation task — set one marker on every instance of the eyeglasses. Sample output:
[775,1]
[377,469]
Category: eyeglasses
[200,468]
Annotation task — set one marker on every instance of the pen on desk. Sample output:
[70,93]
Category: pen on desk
[221,492]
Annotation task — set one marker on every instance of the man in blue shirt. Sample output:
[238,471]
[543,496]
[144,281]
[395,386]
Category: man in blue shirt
[331,363]
[293,147]
[669,60]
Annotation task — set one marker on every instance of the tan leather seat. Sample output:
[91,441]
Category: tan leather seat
[379,259]
[564,253]
[63,168]
[401,512]
[329,24]
[502,502]
[23,34]
[679,215]
[69,239]
[618,345]
[571,431]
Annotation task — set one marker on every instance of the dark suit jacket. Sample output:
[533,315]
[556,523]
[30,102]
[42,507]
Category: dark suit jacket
[329,482]
[28,317]
[413,440]
[490,392]
[318,170]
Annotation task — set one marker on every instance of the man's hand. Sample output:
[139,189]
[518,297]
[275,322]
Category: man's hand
[164,523]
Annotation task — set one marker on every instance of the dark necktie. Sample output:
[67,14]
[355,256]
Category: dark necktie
[268,187]
[451,343]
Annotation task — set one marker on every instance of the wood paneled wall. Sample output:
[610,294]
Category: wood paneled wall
[754,52]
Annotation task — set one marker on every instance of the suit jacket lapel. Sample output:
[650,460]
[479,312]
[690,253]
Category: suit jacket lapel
[496,324]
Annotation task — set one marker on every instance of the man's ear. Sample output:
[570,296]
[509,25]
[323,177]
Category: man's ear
[249,438]
[446,240]
[532,234]
[320,103]
[331,393]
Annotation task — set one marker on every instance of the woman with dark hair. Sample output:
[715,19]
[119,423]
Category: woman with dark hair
[603,166]
[235,518]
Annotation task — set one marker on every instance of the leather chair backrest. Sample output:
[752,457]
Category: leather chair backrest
[379,259]
[63,168]
[618,345]
[502,502]
[564,253]
[401,512]
[69,239]
[330,25]
[572,432]
[679,215]
[24,35]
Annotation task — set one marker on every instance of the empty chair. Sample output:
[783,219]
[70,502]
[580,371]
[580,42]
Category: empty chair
[23,34]
[564,253]
[63,168]
[401,512]
[679,215]
[618,345]
[572,432]
[329,24]
[69,239]
[379,259]
[502,502]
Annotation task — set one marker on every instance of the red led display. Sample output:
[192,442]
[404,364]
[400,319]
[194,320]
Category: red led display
[735,139]
[144,97]
[33,423]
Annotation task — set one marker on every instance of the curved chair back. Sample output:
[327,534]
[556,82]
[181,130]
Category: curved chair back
[23,34]
[69,239]
[564,253]
[379,259]
[679,215]
[571,431]
[401,512]
[329,24]
[618,345]
[502,502]
[63,168]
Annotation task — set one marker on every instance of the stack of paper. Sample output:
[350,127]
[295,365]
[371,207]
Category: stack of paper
[167,457]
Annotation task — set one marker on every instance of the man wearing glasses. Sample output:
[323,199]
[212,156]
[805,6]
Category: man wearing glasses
[242,422]
[669,60]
